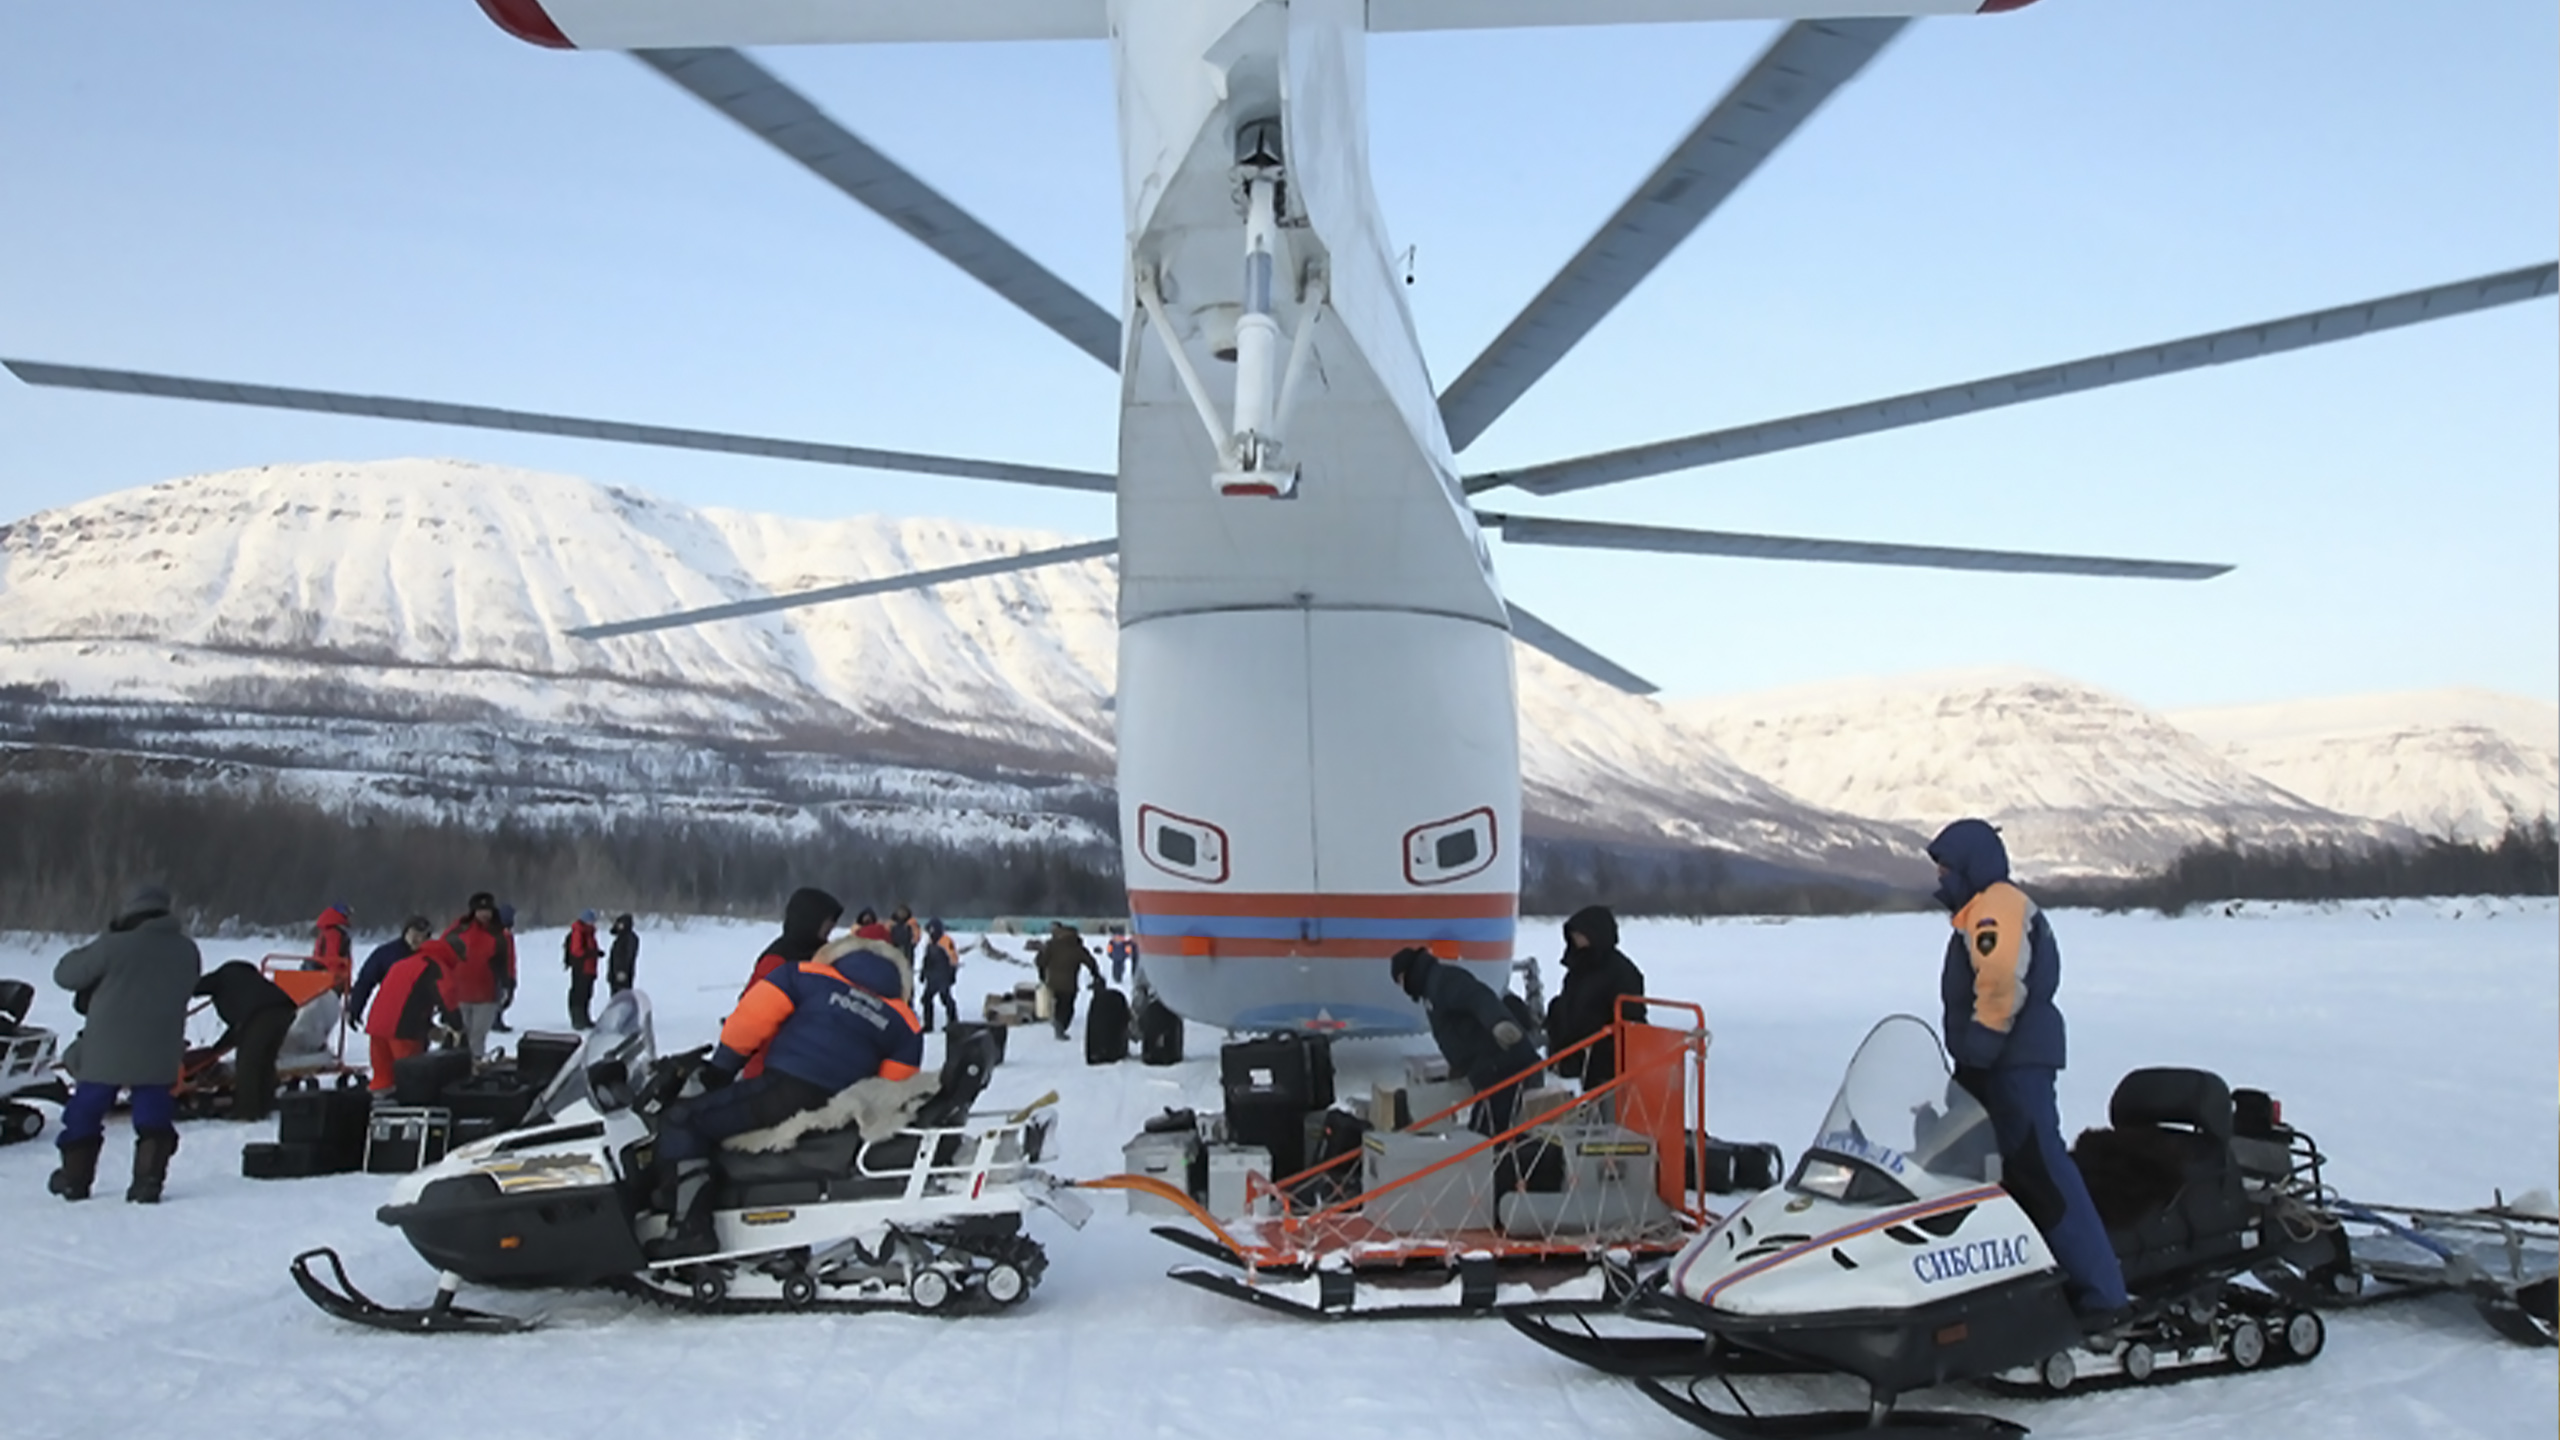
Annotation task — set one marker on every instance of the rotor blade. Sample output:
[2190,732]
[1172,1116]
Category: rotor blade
[914,580]
[2246,342]
[1537,634]
[1589,535]
[1810,60]
[482,417]
[749,94]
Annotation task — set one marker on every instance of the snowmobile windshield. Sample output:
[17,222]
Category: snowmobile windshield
[622,1032]
[1899,1126]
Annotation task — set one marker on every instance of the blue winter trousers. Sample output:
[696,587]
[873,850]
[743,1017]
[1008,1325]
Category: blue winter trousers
[85,1117]
[2028,1123]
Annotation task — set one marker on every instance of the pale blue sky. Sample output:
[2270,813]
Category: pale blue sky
[398,199]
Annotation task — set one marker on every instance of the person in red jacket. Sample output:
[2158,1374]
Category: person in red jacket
[579,953]
[477,973]
[331,949]
[807,919]
[406,1007]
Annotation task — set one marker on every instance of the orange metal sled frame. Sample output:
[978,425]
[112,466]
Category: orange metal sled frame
[302,986]
[1299,1240]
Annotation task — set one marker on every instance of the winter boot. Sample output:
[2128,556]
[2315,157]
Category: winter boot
[692,1235]
[151,1152]
[79,1169]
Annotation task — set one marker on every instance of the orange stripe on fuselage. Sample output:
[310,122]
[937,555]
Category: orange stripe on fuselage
[1223,948]
[1348,907]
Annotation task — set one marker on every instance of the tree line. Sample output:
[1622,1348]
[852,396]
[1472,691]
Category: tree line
[77,829]
[2525,860]
[252,855]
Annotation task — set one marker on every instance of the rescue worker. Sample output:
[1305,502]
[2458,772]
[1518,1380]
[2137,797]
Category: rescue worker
[902,933]
[408,1005]
[1061,956]
[507,971]
[622,964]
[807,918]
[819,1026]
[867,926]
[256,1014]
[477,974]
[579,953]
[132,984]
[413,933]
[333,948]
[1596,974]
[941,972]
[1123,951]
[2005,1033]
[1475,1031]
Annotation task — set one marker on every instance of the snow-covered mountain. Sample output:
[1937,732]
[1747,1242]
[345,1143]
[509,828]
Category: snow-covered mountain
[437,591]
[2080,781]
[2460,763]
[396,627]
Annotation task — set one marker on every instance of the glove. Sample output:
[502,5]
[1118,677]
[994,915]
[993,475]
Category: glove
[714,1077]
[1508,1035]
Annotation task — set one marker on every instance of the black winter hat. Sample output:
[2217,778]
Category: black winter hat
[1595,924]
[1409,966]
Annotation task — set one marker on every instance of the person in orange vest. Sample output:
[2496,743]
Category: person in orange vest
[821,1025]
[1123,951]
[807,917]
[579,953]
[331,949]
[941,972]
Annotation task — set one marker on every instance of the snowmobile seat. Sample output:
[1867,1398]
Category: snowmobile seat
[965,1068]
[2163,1177]
[836,1164]
[16,998]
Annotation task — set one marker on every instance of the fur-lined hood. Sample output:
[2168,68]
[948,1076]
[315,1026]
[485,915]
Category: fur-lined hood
[855,945]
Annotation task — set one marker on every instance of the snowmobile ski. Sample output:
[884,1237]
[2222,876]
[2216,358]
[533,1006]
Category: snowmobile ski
[1471,1289]
[1636,1357]
[1876,1420]
[1201,1245]
[339,1297]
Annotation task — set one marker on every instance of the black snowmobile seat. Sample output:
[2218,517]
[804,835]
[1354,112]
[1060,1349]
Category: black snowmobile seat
[17,997]
[830,1164]
[2163,1177]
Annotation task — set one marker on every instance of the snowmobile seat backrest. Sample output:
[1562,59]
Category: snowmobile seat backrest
[2166,1095]
[964,1077]
[16,998]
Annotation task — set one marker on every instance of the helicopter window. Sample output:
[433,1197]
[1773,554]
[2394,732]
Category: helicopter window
[1847,1179]
[1179,845]
[1450,849]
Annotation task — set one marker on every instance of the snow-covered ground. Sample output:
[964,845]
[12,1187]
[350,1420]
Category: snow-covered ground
[2418,1042]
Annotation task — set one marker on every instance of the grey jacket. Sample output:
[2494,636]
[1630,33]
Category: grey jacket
[137,985]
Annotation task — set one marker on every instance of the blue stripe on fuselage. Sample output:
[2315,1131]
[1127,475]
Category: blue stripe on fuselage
[1251,927]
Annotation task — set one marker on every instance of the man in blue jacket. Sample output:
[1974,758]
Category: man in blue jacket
[2006,1036]
[820,1026]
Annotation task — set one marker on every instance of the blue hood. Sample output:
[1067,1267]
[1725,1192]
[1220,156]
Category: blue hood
[1975,861]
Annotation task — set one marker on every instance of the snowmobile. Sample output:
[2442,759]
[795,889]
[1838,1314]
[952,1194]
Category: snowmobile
[26,1066]
[926,1219]
[1894,1256]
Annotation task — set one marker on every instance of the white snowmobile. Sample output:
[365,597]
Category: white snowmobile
[26,1065]
[927,1219]
[1894,1256]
